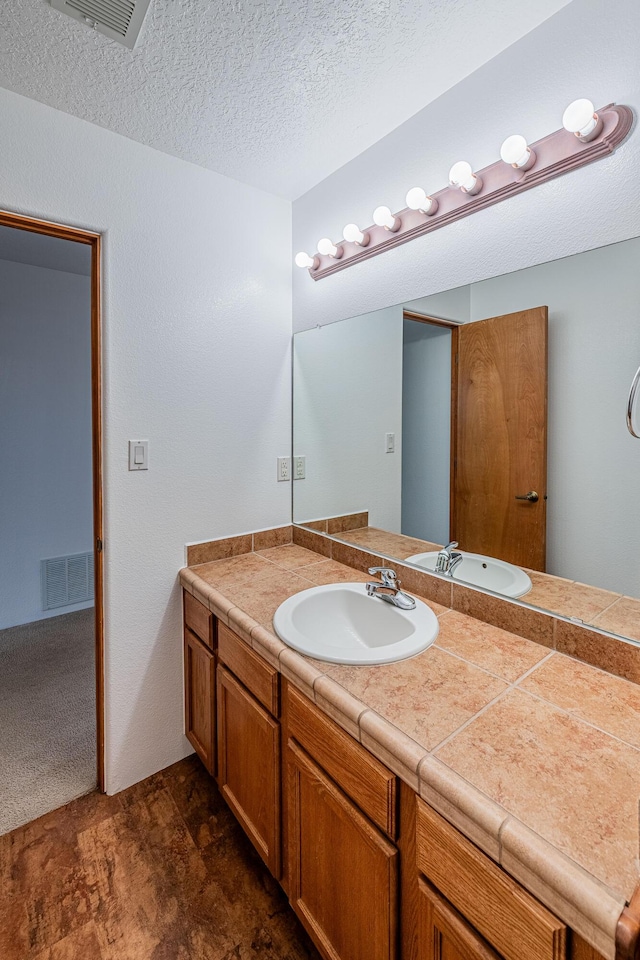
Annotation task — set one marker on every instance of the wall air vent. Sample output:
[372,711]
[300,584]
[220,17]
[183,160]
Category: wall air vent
[67,580]
[119,20]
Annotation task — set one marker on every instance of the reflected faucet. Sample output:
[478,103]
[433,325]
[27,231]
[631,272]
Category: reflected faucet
[448,559]
[388,589]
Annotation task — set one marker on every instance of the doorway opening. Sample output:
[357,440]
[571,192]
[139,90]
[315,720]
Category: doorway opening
[51,592]
[474,421]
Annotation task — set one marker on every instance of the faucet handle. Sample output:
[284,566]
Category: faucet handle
[451,546]
[387,575]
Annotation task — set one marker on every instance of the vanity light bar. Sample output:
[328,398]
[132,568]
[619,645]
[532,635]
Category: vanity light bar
[586,136]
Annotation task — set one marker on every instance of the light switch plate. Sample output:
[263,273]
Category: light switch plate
[389,443]
[138,454]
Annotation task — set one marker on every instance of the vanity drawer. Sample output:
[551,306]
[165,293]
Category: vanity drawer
[509,918]
[199,619]
[363,778]
[259,677]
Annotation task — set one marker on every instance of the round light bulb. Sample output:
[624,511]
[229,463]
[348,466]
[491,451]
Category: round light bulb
[417,199]
[327,247]
[353,234]
[383,217]
[581,119]
[304,260]
[461,175]
[517,153]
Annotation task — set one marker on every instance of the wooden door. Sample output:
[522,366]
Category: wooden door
[499,435]
[199,693]
[249,766]
[343,873]
[444,933]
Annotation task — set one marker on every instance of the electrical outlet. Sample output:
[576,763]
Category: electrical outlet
[284,468]
[299,468]
[389,443]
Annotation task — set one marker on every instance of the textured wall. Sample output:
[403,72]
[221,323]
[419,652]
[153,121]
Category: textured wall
[45,430]
[197,327]
[347,392]
[587,49]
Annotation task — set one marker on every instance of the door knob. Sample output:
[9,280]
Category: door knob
[532,497]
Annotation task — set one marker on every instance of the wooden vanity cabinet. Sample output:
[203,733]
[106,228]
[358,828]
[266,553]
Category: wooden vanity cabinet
[332,824]
[469,903]
[444,934]
[342,866]
[248,735]
[199,680]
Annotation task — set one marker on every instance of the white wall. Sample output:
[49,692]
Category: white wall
[197,326]
[588,49]
[426,431]
[347,396]
[45,430]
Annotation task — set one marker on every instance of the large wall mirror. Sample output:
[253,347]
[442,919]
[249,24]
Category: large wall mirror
[492,415]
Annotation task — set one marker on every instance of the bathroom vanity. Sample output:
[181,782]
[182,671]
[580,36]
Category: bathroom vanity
[385,850]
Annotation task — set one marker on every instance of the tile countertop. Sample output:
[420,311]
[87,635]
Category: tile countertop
[593,605]
[531,754]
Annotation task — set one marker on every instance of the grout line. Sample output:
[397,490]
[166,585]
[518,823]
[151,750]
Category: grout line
[580,719]
[601,612]
[511,686]
[470,663]
[444,612]
[467,723]
[533,669]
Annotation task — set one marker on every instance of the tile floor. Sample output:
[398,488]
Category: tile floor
[161,871]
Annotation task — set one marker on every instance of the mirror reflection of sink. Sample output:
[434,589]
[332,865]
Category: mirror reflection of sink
[479,571]
[339,623]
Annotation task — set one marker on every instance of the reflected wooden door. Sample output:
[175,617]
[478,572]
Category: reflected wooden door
[499,434]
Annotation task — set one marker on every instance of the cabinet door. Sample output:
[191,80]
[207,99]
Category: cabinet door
[249,766]
[444,933]
[343,873]
[199,694]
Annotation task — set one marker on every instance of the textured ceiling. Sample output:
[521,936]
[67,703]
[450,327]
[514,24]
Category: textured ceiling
[276,93]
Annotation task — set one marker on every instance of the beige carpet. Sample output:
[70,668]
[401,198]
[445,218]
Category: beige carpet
[47,716]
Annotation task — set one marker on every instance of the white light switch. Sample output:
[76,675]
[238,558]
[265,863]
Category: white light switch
[389,442]
[138,454]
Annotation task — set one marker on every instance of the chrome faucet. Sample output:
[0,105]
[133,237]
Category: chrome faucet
[388,589]
[448,559]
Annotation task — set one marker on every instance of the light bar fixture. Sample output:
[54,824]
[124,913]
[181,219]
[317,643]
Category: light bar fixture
[585,136]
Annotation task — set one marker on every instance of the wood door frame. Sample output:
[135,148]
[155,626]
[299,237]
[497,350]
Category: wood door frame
[452,325]
[94,240]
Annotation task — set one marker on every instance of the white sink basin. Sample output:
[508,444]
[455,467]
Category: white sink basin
[485,572]
[340,623]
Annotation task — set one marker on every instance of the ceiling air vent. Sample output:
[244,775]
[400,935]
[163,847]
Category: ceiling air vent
[119,20]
